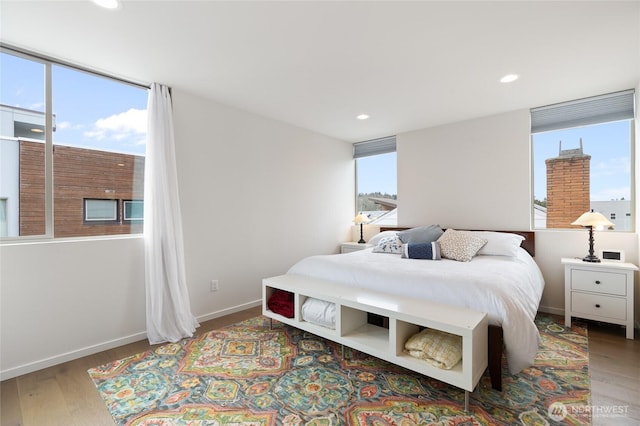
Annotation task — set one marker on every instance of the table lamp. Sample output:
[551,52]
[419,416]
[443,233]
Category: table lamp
[359,220]
[590,220]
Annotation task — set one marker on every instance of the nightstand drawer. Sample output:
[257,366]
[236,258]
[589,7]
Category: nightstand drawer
[599,282]
[602,306]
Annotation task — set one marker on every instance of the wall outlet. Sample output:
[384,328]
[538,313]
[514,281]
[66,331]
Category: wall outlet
[214,285]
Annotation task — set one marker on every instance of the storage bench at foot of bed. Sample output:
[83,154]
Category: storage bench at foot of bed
[405,317]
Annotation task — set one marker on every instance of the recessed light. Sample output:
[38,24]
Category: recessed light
[509,78]
[362,117]
[108,4]
[36,130]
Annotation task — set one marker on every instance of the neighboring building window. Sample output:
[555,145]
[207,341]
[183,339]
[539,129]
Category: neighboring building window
[67,136]
[376,180]
[582,160]
[101,210]
[4,230]
[133,210]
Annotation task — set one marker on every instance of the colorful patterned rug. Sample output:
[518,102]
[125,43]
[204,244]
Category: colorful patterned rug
[249,374]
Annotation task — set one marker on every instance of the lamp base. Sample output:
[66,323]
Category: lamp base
[362,241]
[591,258]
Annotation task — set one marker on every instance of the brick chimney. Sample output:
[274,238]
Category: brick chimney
[568,187]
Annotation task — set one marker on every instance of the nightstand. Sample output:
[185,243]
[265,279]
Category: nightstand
[351,246]
[599,291]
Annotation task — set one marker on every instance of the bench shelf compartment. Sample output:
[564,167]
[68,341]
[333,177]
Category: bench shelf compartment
[405,317]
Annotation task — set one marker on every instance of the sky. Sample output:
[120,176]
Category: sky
[609,147]
[90,111]
[378,173]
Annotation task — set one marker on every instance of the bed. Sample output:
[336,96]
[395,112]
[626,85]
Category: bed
[507,287]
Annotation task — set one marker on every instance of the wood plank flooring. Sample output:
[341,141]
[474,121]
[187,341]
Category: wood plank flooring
[614,366]
[65,395]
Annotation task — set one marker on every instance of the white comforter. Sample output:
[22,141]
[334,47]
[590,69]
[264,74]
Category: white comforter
[508,289]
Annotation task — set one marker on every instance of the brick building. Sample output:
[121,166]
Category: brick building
[80,177]
[568,187]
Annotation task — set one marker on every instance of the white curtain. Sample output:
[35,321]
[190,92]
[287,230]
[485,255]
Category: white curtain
[169,316]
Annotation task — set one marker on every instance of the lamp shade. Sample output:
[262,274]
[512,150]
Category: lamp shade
[593,219]
[361,218]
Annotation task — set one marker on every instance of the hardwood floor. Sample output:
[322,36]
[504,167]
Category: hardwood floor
[614,366]
[65,395]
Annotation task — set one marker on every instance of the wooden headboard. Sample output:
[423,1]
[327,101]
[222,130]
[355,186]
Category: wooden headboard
[529,242]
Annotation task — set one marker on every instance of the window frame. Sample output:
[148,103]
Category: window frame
[371,148]
[124,212]
[595,120]
[48,63]
[3,217]
[101,221]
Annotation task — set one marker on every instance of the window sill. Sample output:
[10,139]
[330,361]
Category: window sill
[19,241]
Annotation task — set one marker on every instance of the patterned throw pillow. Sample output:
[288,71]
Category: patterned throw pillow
[389,245]
[460,245]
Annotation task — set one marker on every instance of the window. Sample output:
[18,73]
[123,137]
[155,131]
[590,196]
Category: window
[100,210]
[72,143]
[582,160]
[133,210]
[4,231]
[376,180]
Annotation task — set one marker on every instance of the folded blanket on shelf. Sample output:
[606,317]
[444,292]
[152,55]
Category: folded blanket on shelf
[440,349]
[319,312]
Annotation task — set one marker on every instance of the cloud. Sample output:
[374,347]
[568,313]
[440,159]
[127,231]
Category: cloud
[67,125]
[606,194]
[125,125]
[612,167]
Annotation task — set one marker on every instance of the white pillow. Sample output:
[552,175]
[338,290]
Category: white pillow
[499,243]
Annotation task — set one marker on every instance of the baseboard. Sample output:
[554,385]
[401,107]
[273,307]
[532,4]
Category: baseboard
[69,356]
[90,350]
[231,310]
[551,310]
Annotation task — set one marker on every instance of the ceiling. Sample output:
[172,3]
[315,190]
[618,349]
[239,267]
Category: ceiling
[318,64]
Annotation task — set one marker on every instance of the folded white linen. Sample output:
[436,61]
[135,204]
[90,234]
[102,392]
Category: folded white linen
[319,312]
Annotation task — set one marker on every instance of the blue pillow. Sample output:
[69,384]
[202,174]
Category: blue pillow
[429,251]
[421,234]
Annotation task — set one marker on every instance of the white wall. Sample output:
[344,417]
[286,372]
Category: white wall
[477,175]
[256,196]
[468,174]
[61,300]
[637,207]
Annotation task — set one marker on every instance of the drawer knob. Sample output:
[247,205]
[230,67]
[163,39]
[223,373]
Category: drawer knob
[597,305]
[597,281]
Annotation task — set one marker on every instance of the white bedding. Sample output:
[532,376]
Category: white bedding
[508,289]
